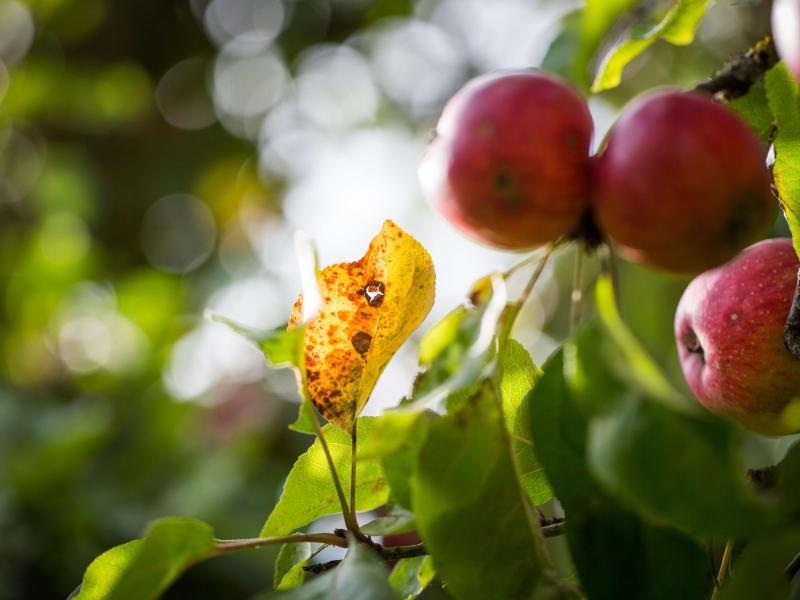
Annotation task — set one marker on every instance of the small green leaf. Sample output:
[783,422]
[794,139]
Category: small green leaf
[304,423]
[396,521]
[405,577]
[677,27]
[472,515]
[143,569]
[289,565]
[597,19]
[282,347]
[519,375]
[783,93]
[360,576]
[309,492]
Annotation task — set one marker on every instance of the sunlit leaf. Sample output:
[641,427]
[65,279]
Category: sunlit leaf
[472,515]
[309,492]
[458,352]
[289,565]
[783,92]
[519,375]
[282,347]
[360,576]
[369,308]
[677,27]
[142,569]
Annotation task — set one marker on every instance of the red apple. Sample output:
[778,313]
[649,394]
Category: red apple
[786,31]
[681,183]
[729,330]
[510,163]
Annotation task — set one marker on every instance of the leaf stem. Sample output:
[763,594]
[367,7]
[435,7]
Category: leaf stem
[526,292]
[346,513]
[577,288]
[251,543]
[354,528]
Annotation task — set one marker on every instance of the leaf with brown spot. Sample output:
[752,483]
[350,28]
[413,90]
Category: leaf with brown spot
[369,308]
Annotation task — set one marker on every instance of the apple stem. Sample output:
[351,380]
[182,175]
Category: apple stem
[791,332]
[577,288]
[723,567]
[739,74]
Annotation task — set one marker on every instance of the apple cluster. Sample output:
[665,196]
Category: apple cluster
[680,183]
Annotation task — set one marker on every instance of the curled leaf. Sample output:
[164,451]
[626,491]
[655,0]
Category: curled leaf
[369,308]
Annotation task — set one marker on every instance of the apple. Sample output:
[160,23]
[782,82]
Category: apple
[786,31]
[681,183]
[510,162]
[729,331]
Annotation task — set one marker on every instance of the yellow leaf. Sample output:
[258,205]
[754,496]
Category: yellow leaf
[369,308]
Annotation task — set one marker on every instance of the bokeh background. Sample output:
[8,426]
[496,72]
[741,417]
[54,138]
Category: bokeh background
[156,158]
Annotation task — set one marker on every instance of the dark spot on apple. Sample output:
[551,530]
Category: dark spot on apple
[503,182]
[571,139]
[693,345]
[361,342]
[374,292]
[484,129]
[508,192]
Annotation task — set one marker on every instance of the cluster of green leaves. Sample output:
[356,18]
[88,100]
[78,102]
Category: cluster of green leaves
[649,484]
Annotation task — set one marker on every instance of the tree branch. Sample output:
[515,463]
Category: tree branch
[550,528]
[331,539]
[740,73]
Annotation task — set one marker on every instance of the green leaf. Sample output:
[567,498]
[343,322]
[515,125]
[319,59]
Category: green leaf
[616,553]
[519,375]
[635,365]
[783,93]
[759,571]
[411,575]
[788,482]
[677,27]
[471,513]
[360,576]
[289,565]
[396,521]
[459,350]
[754,109]
[282,347]
[675,468]
[142,569]
[309,492]
[597,19]
[304,423]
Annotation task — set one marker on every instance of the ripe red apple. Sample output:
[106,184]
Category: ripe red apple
[681,183]
[510,163]
[729,330]
[786,31]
